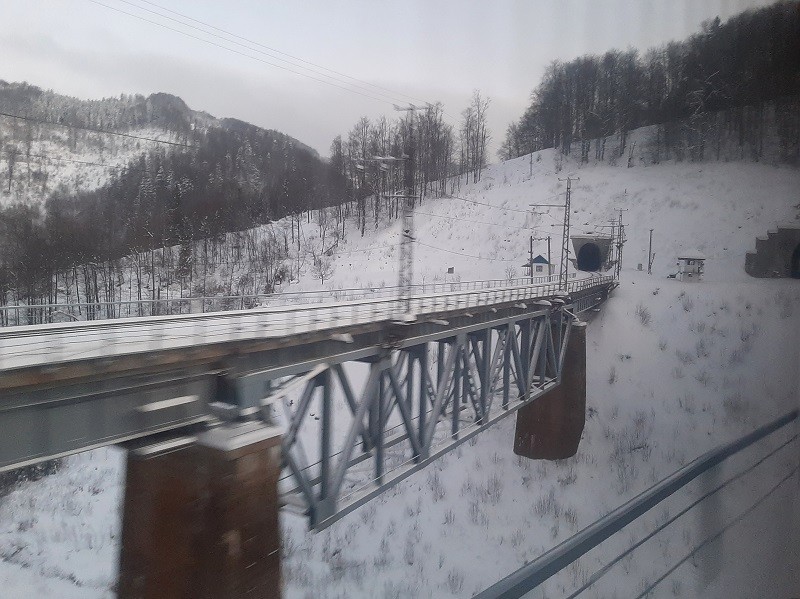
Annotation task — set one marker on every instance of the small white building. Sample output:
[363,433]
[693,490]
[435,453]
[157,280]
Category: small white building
[540,267]
[691,266]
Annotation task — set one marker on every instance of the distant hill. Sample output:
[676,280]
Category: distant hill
[176,174]
[58,148]
[73,193]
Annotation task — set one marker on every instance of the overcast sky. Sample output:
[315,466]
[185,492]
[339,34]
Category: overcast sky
[421,50]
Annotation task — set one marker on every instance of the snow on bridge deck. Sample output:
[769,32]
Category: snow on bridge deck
[59,343]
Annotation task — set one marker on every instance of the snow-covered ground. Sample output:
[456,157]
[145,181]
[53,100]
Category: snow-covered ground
[674,369]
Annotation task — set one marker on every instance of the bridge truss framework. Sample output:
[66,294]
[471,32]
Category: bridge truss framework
[364,400]
[415,403]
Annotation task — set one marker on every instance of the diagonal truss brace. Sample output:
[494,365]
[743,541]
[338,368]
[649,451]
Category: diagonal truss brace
[355,429]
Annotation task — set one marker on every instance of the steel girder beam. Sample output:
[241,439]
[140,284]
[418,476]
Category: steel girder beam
[355,429]
[57,409]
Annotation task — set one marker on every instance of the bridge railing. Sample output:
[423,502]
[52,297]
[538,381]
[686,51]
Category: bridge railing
[30,345]
[531,576]
[29,314]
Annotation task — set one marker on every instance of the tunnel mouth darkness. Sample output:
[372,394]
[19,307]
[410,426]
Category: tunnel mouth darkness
[795,272]
[589,257]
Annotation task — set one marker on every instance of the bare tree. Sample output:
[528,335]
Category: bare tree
[322,268]
[11,161]
[474,136]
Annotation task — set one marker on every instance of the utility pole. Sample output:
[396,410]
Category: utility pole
[406,274]
[620,242]
[407,239]
[549,261]
[530,259]
[612,258]
[564,268]
[650,254]
[619,251]
[531,139]
[407,254]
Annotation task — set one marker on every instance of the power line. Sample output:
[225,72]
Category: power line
[335,83]
[433,247]
[370,249]
[84,162]
[212,43]
[95,130]
[393,94]
[337,79]
[340,75]
[467,220]
[485,204]
[497,207]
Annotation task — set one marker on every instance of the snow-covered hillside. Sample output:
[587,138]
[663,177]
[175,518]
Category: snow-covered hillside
[43,159]
[716,207]
[674,369]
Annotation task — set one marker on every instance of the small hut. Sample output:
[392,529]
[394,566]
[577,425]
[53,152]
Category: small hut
[539,267]
[691,265]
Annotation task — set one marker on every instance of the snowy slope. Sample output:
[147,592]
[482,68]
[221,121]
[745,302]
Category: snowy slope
[674,369]
[54,161]
[718,208]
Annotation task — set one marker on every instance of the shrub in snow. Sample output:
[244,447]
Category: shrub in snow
[367,514]
[571,517]
[494,489]
[687,403]
[568,476]
[408,554]
[644,315]
[476,515]
[437,488]
[735,408]
[517,538]
[455,581]
[703,378]
[547,504]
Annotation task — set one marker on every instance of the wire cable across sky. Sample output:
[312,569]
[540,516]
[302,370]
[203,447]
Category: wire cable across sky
[95,130]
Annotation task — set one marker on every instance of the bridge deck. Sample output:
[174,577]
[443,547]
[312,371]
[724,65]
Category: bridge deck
[53,344]
[69,387]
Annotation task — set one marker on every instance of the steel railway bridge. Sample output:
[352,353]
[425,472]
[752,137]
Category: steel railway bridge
[314,407]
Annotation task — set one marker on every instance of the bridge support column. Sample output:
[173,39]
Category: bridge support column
[200,517]
[550,427]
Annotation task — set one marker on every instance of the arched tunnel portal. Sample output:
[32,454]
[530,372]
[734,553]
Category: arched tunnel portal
[589,258]
[796,263]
